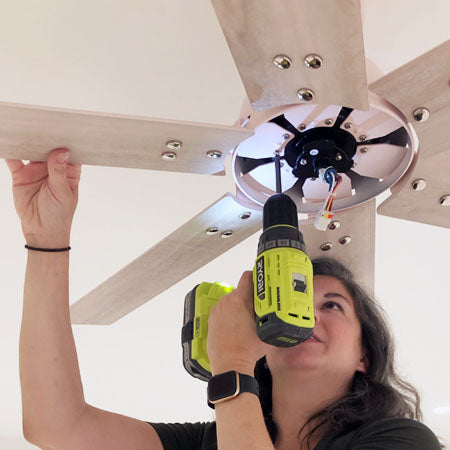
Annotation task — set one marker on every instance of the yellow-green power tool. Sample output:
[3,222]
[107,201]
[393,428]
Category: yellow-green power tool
[283,290]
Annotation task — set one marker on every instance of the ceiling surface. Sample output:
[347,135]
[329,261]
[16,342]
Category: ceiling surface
[169,59]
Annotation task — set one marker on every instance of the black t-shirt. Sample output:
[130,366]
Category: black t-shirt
[383,434]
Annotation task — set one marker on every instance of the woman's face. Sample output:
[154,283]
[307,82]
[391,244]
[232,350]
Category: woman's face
[337,350]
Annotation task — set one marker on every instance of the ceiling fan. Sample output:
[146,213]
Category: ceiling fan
[310,99]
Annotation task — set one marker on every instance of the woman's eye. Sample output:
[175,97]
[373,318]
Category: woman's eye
[332,305]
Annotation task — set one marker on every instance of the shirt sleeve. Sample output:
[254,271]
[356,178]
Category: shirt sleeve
[186,436]
[395,434]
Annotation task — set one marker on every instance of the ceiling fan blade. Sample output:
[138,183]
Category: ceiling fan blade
[178,255]
[422,83]
[422,205]
[359,254]
[248,164]
[258,30]
[30,133]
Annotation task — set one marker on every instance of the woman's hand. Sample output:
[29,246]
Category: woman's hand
[45,196]
[232,340]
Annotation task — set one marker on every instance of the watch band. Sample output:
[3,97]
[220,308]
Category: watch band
[233,383]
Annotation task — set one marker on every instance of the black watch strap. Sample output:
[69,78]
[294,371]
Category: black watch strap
[228,385]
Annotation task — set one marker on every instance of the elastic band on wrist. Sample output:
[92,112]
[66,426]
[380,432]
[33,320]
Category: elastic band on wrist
[47,249]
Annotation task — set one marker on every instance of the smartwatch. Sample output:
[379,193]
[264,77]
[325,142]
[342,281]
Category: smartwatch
[229,385]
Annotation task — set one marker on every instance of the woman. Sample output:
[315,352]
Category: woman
[336,391]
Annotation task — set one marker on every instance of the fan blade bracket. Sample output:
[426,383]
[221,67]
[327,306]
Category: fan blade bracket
[206,236]
[30,133]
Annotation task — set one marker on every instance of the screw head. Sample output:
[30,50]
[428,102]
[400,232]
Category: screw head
[345,240]
[226,234]
[303,162]
[301,127]
[174,145]
[363,149]
[419,184]
[169,156]
[313,61]
[338,157]
[282,61]
[214,154]
[334,225]
[325,247]
[421,114]
[305,94]
[286,136]
[348,125]
[445,200]
[212,230]
[362,138]
[329,122]
[245,215]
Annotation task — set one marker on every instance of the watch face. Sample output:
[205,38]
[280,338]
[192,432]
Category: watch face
[223,386]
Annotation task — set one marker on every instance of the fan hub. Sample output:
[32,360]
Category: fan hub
[320,148]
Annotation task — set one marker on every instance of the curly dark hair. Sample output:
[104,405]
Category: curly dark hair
[379,393]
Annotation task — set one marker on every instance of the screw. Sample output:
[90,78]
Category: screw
[174,145]
[362,138]
[363,149]
[313,61]
[334,225]
[345,240]
[419,184]
[212,230]
[301,127]
[245,215]
[338,157]
[286,136]
[303,162]
[421,114]
[305,94]
[226,234]
[329,122]
[347,125]
[282,61]
[214,154]
[326,246]
[169,156]
[445,200]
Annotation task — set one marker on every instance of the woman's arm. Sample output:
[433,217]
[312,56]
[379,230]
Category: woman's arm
[234,345]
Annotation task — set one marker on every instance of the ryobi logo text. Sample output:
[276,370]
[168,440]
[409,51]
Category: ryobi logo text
[260,277]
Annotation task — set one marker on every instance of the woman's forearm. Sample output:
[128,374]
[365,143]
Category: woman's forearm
[52,393]
[240,424]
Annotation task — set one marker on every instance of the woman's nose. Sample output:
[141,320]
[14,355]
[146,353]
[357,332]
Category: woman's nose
[316,316]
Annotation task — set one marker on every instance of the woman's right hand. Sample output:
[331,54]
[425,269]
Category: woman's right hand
[45,196]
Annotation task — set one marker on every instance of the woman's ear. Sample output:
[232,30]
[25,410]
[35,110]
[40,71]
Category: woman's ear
[363,365]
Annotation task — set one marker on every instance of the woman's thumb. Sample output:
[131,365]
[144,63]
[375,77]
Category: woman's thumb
[57,166]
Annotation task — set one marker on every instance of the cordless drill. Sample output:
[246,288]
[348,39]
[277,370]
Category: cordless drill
[283,288]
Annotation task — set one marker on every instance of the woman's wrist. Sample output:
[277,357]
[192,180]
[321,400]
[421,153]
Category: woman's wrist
[48,242]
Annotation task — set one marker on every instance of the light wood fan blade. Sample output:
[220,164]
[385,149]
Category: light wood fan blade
[358,255]
[422,205]
[259,30]
[175,257]
[422,83]
[30,133]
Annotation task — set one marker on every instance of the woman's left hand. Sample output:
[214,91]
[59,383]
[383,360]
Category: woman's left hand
[232,340]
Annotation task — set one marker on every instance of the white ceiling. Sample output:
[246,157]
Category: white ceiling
[169,59]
